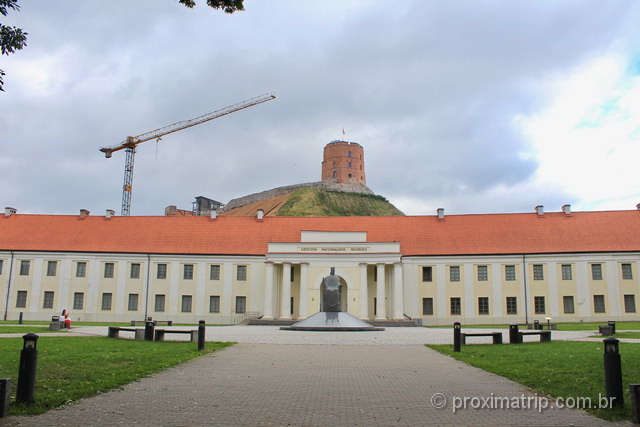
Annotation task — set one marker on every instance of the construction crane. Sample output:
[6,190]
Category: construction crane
[130,144]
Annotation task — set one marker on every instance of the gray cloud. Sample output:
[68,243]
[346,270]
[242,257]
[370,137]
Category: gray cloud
[430,89]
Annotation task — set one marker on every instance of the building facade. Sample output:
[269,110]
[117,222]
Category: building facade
[499,268]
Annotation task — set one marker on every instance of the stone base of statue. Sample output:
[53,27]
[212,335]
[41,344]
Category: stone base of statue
[331,321]
[331,318]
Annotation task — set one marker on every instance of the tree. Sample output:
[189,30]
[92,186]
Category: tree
[11,38]
[229,6]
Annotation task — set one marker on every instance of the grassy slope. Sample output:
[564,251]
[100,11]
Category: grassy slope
[317,202]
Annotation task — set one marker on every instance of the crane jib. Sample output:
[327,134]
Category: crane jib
[132,141]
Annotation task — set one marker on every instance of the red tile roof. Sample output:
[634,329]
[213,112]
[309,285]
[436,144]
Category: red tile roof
[611,231]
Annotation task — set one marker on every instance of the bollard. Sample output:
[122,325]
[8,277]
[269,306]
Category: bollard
[514,335]
[613,371]
[634,392]
[27,371]
[612,323]
[20,318]
[536,325]
[5,390]
[149,327]
[456,336]
[201,331]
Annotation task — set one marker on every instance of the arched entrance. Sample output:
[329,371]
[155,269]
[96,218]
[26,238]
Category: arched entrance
[344,295]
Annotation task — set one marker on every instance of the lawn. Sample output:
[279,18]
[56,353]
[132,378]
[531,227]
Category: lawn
[560,369]
[565,326]
[621,335]
[25,330]
[70,368]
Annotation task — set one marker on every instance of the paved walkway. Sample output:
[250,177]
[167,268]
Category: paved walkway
[346,382]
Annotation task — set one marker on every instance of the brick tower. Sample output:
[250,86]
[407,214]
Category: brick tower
[343,162]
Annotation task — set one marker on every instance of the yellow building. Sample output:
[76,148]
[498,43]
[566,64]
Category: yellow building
[498,268]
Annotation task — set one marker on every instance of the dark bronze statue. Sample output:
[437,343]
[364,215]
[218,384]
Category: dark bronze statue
[331,294]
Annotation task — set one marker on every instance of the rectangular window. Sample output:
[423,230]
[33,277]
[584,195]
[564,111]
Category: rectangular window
[48,299]
[186,304]
[21,299]
[188,272]
[108,270]
[538,272]
[214,304]
[133,302]
[52,267]
[629,303]
[626,272]
[214,274]
[81,269]
[456,308]
[596,271]
[78,300]
[483,305]
[24,267]
[375,274]
[427,274]
[241,304]
[162,271]
[512,305]
[539,307]
[241,273]
[106,300]
[509,273]
[566,272]
[159,303]
[567,301]
[454,273]
[598,303]
[293,270]
[135,271]
[427,306]
[1,262]
[483,274]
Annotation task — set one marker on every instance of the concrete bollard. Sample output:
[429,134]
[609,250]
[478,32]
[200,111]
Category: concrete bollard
[201,332]
[457,338]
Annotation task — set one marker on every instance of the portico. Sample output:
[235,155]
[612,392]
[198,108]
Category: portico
[370,271]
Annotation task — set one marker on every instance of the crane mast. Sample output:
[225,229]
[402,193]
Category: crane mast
[130,144]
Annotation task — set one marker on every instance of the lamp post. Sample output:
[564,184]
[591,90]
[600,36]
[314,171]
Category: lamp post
[201,331]
[27,371]
[456,337]
[613,371]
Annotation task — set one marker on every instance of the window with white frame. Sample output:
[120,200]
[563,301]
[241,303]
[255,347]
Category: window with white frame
[47,301]
[596,271]
[598,304]
[626,272]
[24,267]
[214,273]
[483,273]
[538,272]
[566,272]
[512,305]
[454,273]
[52,267]
[21,299]
[567,302]
[509,273]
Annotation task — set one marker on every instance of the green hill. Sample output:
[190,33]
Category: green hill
[317,202]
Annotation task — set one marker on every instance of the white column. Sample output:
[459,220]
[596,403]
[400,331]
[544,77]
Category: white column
[496,290]
[398,303]
[285,312]
[364,292]
[554,306]
[612,301]
[201,301]
[35,298]
[381,313]
[268,291]
[304,291]
[469,296]
[583,293]
[174,305]
[442,307]
[120,291]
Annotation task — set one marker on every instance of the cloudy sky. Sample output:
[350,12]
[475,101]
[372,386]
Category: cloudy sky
[474,106]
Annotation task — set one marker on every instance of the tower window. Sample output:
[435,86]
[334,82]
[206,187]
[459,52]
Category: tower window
[334,174]
[349,175]
[349,154]
[334,165]
[349,164]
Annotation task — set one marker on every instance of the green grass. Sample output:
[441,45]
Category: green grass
[560,368]
[25,330]
[70,368]
[564,326]
[620,335]
[318,202]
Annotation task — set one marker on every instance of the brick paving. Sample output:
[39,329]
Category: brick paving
[307,384]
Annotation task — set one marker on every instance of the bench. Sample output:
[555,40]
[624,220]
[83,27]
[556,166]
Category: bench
[114,332]
[160,334]
[605,330]
[545,336]
[497,336]
[156,322]
[56,324]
